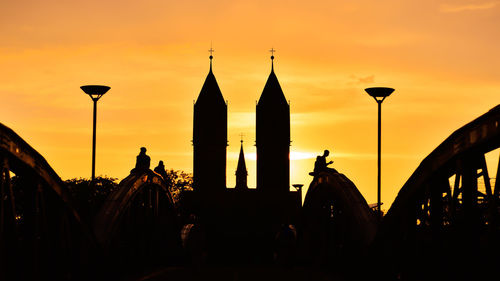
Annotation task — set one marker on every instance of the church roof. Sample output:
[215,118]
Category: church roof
[210,92]
[242,167]
[272,93]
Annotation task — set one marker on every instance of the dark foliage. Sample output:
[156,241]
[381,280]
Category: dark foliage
[89,196]
[178,181]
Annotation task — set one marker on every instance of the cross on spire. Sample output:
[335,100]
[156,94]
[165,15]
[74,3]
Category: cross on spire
[211,51]
[272,58]
[241,137]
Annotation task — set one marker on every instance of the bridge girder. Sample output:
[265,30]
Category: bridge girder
[442,212]
[41,233]
[138,223]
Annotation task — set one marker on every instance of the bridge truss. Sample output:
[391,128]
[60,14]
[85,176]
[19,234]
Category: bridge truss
[41,234]
[445,219]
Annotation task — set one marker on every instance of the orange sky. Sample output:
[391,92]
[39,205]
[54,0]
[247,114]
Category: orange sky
[440,56]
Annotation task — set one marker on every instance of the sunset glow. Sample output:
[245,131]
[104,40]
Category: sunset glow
[440,56]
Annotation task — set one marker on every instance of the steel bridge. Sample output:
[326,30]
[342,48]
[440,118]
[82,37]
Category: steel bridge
[41,234]
[445,218]
[137,225]
[444,221]
[337,223]
[43,237]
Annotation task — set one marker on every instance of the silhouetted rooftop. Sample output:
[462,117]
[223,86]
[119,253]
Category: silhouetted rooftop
[272,93]
[210,92]
[242,167]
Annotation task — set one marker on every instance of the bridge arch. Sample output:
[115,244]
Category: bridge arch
[338,225]
[138,222]
[41,234]
[442,212]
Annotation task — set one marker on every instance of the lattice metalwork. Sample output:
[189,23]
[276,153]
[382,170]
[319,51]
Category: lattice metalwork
[137,225]
[41,235]
[446,214]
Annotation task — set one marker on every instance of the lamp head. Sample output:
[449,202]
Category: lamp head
[95,91]
[379,93]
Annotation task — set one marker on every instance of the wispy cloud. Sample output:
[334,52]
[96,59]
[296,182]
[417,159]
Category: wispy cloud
[297,155]
[241,120]
[455,8]
[373,156]
[362,80]
[294,155]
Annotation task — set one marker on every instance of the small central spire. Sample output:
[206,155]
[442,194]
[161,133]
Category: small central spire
[211,50]
[272,58]
[241,138]
[241,170]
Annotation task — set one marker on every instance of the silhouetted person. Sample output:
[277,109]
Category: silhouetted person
[142,162]
[160,169]
[321,165]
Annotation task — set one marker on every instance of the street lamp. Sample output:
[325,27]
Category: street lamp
[95,92]
[379,94]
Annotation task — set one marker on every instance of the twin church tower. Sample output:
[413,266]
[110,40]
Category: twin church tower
[272,139]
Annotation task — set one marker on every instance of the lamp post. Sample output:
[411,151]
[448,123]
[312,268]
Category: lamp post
[379,94]
[95,92]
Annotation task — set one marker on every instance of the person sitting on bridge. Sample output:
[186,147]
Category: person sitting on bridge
[142,162]
[321,165]
[160,169]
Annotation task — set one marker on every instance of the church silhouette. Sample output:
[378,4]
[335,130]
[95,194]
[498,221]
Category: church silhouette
[241,225]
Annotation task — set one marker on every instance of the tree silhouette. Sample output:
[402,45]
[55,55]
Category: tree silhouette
[178,181]
[89,196]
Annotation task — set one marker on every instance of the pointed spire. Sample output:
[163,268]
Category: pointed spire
[210,93]
[241,170]
[272,93]
[242,167]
